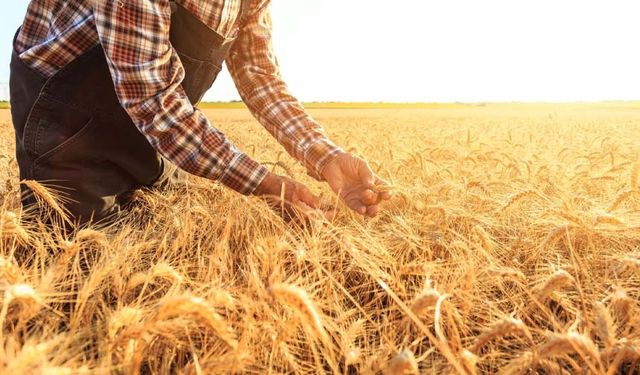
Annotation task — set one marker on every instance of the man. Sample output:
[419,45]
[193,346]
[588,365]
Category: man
[103,94]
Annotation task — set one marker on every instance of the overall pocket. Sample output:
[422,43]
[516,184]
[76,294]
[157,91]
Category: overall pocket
[199,76]
[53,126]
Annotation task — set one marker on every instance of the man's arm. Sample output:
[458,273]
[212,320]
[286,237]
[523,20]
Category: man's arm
[256,73]
[147,74]
[254,68]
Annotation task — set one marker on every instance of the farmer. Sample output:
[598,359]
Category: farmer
[103,96]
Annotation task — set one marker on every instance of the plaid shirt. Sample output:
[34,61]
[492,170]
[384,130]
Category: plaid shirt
[147,74]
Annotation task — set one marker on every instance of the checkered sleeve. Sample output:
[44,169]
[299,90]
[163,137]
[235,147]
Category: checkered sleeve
[147,76]
[255,71]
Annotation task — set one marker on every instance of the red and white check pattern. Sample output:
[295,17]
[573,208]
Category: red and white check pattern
[147,73]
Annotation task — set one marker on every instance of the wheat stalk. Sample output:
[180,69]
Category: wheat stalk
[623,351]
[566,343]
[403,363]
[507,272]
[45,195]
[425,300]
[514,199]
[630,263]
[504,327]
[353,354]
[605,326]
[25,296]
[483,236]
[621,198]
[622,306]
[197,307]
[609,219]
[520,365]
[562,344]
[556,281]
[299,300]
[125,317]
[11,227]
[9,271]
[470,361]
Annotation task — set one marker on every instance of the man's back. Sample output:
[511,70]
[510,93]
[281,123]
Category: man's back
[55,32]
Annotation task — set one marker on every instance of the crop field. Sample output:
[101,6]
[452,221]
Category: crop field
[511,245]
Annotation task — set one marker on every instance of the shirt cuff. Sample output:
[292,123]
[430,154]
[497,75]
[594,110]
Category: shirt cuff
[318,154]
[243,174]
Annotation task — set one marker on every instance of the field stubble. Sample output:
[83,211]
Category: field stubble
[512,245]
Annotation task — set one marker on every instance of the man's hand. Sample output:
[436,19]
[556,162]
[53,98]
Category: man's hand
[353,180]
[293,200]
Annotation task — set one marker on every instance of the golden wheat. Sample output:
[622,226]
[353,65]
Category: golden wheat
[559,345]
[12,227]
[47,197]
[604,324]
[403,363]
[504,327]
[497,212]
[187,305]
[298,299]
[623,197]
[554,282]
[622,306]
[9,271]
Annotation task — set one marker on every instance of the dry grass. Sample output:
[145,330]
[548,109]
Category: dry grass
[512,245]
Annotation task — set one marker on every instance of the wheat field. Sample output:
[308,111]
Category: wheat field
[511,245]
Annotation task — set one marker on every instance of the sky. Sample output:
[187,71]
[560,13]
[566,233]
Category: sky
[441,51]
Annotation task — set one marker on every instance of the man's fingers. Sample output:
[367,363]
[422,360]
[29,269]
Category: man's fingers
[301,208]
[303,214]
[307,197]
[330,215]
[373,210]
[380,181]
[296,193]
[299,213]
[273,200]
[295,197]
[383,195]
[293,201]
[369,197]
[365,202]
[319,214]
[354,202]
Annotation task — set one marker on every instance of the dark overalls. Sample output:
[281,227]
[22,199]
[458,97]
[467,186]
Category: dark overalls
[73,134]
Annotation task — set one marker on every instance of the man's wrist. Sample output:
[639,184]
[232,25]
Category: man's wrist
[265,186]
[243,174]
[317,154]
[329,163]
